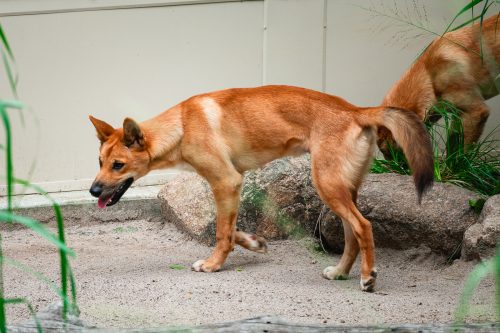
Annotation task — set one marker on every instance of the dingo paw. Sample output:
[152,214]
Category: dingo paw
[335,273]
[257,244]
[205,266]
[368,283]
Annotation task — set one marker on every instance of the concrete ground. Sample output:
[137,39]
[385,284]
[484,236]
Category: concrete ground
[137,274]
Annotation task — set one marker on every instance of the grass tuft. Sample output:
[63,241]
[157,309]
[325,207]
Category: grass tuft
[475,167]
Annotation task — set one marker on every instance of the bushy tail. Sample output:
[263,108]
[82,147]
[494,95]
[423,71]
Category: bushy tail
[410,134]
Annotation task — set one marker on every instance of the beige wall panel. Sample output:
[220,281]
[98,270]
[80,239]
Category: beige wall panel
[118,63]
[294,43]
[21,7]
[139,61]
[365,52]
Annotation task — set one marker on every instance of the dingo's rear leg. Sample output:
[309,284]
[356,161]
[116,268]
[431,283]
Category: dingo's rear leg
[351,250]
[337,196]
[337,171]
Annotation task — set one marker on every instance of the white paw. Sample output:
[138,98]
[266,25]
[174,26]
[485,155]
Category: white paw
[334,273]
[205,266]
[198,266]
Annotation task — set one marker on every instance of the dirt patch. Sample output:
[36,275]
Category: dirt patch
[137,274]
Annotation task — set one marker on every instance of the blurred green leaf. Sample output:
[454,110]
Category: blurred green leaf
[30,309]
[477,204]
[177,267]
[7,217]
[475,276]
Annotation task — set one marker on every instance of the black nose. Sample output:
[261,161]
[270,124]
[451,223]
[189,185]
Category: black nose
[96,189]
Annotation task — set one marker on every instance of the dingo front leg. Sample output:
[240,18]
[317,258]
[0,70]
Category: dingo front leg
[227,197]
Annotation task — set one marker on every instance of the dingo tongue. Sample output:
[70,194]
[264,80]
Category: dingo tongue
[101,203]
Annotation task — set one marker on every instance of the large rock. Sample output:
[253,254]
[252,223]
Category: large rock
[280,200]
[481,239]
[389,202]
[277,201]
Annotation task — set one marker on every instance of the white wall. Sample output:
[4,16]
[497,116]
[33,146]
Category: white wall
[117,58]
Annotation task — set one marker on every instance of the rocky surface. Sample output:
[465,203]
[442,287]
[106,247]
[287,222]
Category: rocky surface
[389,201]
[481,239]
[280,200]
[276,202]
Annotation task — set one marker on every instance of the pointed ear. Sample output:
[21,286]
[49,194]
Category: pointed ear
[132,134]
[104,130]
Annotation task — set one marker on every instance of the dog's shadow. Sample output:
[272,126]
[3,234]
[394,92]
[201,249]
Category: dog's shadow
[242,261]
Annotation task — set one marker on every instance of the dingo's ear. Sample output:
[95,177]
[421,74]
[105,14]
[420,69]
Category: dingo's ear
[132,134]
[104,130]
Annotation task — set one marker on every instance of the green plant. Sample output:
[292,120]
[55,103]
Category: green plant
[177,267]
[125,229]
[475,167]
[479,272]
[10,217]
[477,204]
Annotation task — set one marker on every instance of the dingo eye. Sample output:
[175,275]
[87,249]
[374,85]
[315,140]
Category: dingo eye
[118,165]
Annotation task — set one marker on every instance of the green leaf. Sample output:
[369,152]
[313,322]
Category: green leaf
[477,204]
[4,104]
[497,278]
[65,269]
[475,167]
[5,43]
[7,55]
[475,276]
[30,309]
[7,217]
[466,8]
[468,22]
[125,229]
[177,267]
[37,275]
[10,74]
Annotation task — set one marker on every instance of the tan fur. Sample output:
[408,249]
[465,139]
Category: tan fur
[452,68]
[222,134]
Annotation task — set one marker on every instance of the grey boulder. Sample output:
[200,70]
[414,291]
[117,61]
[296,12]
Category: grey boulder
[277,201]
[389,202]
[280,201]
[481,239]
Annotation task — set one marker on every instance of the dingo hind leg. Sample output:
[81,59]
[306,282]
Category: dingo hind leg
[337,169]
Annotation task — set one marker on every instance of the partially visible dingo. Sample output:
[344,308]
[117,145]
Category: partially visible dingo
[459,67]
[224,133]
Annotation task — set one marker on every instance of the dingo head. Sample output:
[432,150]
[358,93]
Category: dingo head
[123,158]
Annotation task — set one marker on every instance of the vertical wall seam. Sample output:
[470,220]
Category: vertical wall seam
[264,44]
[325,30]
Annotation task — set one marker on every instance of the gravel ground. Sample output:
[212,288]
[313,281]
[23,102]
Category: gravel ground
[137,274]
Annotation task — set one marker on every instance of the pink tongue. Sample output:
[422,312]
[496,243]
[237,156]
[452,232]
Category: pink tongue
[101,203]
